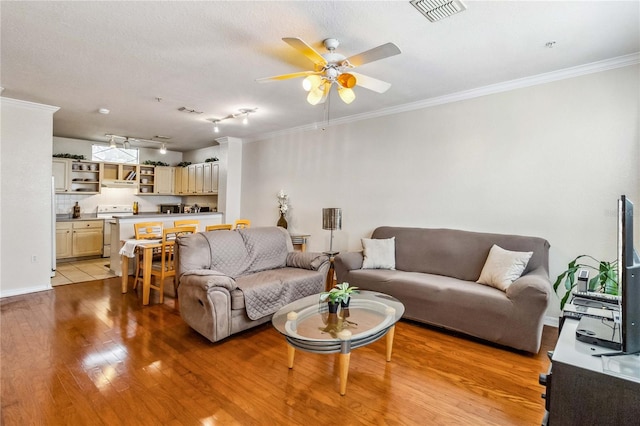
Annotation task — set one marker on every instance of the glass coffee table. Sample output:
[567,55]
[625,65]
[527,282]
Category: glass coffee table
[308,326]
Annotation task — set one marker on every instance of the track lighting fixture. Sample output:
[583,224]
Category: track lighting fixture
[126,142]
[244,113]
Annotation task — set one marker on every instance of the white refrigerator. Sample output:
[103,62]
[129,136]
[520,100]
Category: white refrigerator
[53,227]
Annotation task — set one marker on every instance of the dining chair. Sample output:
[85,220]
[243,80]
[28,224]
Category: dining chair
[242,223]
[145,231]
[187,222]
[224,226]
[165,266]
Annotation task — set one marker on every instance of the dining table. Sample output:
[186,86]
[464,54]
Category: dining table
[127,251]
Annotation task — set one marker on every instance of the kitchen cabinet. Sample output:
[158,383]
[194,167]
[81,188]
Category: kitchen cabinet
[78,239]
[210,173]
[87,238]
[62,174]
[63,240]
[121,172]
[164,180]
[76,176]
[147,179]
[200,179]
[85,177]
[182,181]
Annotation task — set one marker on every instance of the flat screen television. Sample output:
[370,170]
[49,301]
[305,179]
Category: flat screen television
[629,277]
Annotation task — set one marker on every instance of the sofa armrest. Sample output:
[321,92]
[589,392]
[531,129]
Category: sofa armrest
[206,279]
[348,261]
[534,285]
[306,260]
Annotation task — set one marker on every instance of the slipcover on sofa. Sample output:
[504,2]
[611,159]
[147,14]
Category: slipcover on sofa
[229,281]
[435,276]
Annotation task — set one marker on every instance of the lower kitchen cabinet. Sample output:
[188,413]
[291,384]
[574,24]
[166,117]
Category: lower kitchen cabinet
[78,239]
[63,240]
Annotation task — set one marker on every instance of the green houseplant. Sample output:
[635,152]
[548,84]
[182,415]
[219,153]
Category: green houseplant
[340,294]
[605,281]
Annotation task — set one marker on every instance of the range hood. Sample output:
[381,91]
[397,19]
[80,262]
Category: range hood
[119,183]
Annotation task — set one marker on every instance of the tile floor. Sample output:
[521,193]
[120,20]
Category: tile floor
[80,271]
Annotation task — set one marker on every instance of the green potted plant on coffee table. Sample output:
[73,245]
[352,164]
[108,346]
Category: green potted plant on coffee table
[338,295]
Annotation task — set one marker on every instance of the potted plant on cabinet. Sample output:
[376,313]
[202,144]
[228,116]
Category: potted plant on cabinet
[606,281]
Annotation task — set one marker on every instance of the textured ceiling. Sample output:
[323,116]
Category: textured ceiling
[82,56]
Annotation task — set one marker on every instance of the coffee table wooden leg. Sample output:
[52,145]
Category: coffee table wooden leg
[291,353]
[344,372]
[390,334]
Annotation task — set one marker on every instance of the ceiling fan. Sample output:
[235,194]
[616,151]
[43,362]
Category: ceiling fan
[332,67]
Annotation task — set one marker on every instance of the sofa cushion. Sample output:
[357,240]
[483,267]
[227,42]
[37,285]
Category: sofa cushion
[441,251]
[228,252]
[267,248]
[379,253]
[267,291]
[503,267]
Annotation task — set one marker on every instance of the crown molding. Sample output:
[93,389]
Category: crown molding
[29,105]
[563,74]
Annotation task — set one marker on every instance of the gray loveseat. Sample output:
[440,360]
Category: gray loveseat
[435,276]
[229,281]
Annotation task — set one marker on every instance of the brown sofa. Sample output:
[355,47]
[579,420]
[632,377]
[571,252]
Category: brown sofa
[435,276]
[229,281]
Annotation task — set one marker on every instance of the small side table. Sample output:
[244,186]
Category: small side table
[331,278]
[300,240]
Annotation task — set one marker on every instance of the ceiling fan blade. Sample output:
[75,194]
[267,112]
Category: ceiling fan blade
[375,54]
[306,50]
[371,83]
[286,76]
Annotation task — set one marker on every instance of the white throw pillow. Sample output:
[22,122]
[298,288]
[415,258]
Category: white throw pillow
[379,253]
[503,267]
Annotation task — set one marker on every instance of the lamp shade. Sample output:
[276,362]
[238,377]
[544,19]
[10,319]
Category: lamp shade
[332,218]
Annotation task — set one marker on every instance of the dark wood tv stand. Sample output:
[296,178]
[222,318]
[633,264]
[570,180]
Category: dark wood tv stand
[581,392]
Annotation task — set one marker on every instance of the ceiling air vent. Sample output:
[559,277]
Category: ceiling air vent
[436,10]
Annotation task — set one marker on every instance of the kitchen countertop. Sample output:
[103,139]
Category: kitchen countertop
[149,215]
[67,217]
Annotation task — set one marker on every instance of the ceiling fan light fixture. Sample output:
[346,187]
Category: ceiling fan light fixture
[163,149]
[347,95]
[126,144]
[112,142]
[311,82]
[347,80]
[216,128]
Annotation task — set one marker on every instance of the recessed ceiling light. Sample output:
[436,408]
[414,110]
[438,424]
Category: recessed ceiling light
[104,111]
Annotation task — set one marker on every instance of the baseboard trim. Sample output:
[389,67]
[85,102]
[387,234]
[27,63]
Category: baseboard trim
[551,321]
[21,291]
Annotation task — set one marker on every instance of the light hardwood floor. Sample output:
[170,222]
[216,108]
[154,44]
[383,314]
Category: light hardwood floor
[85,354]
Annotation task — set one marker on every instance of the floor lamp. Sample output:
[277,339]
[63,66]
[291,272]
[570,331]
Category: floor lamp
[331,220]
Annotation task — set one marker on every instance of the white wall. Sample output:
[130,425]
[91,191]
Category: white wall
[25,218]
[548,161]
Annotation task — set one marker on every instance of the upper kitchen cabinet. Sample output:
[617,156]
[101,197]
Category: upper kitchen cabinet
[199,179]
[164,180]
[182,181]
[147,179]
[62,174]
[76,176]
[120,175]
[210,173]
[85,177]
